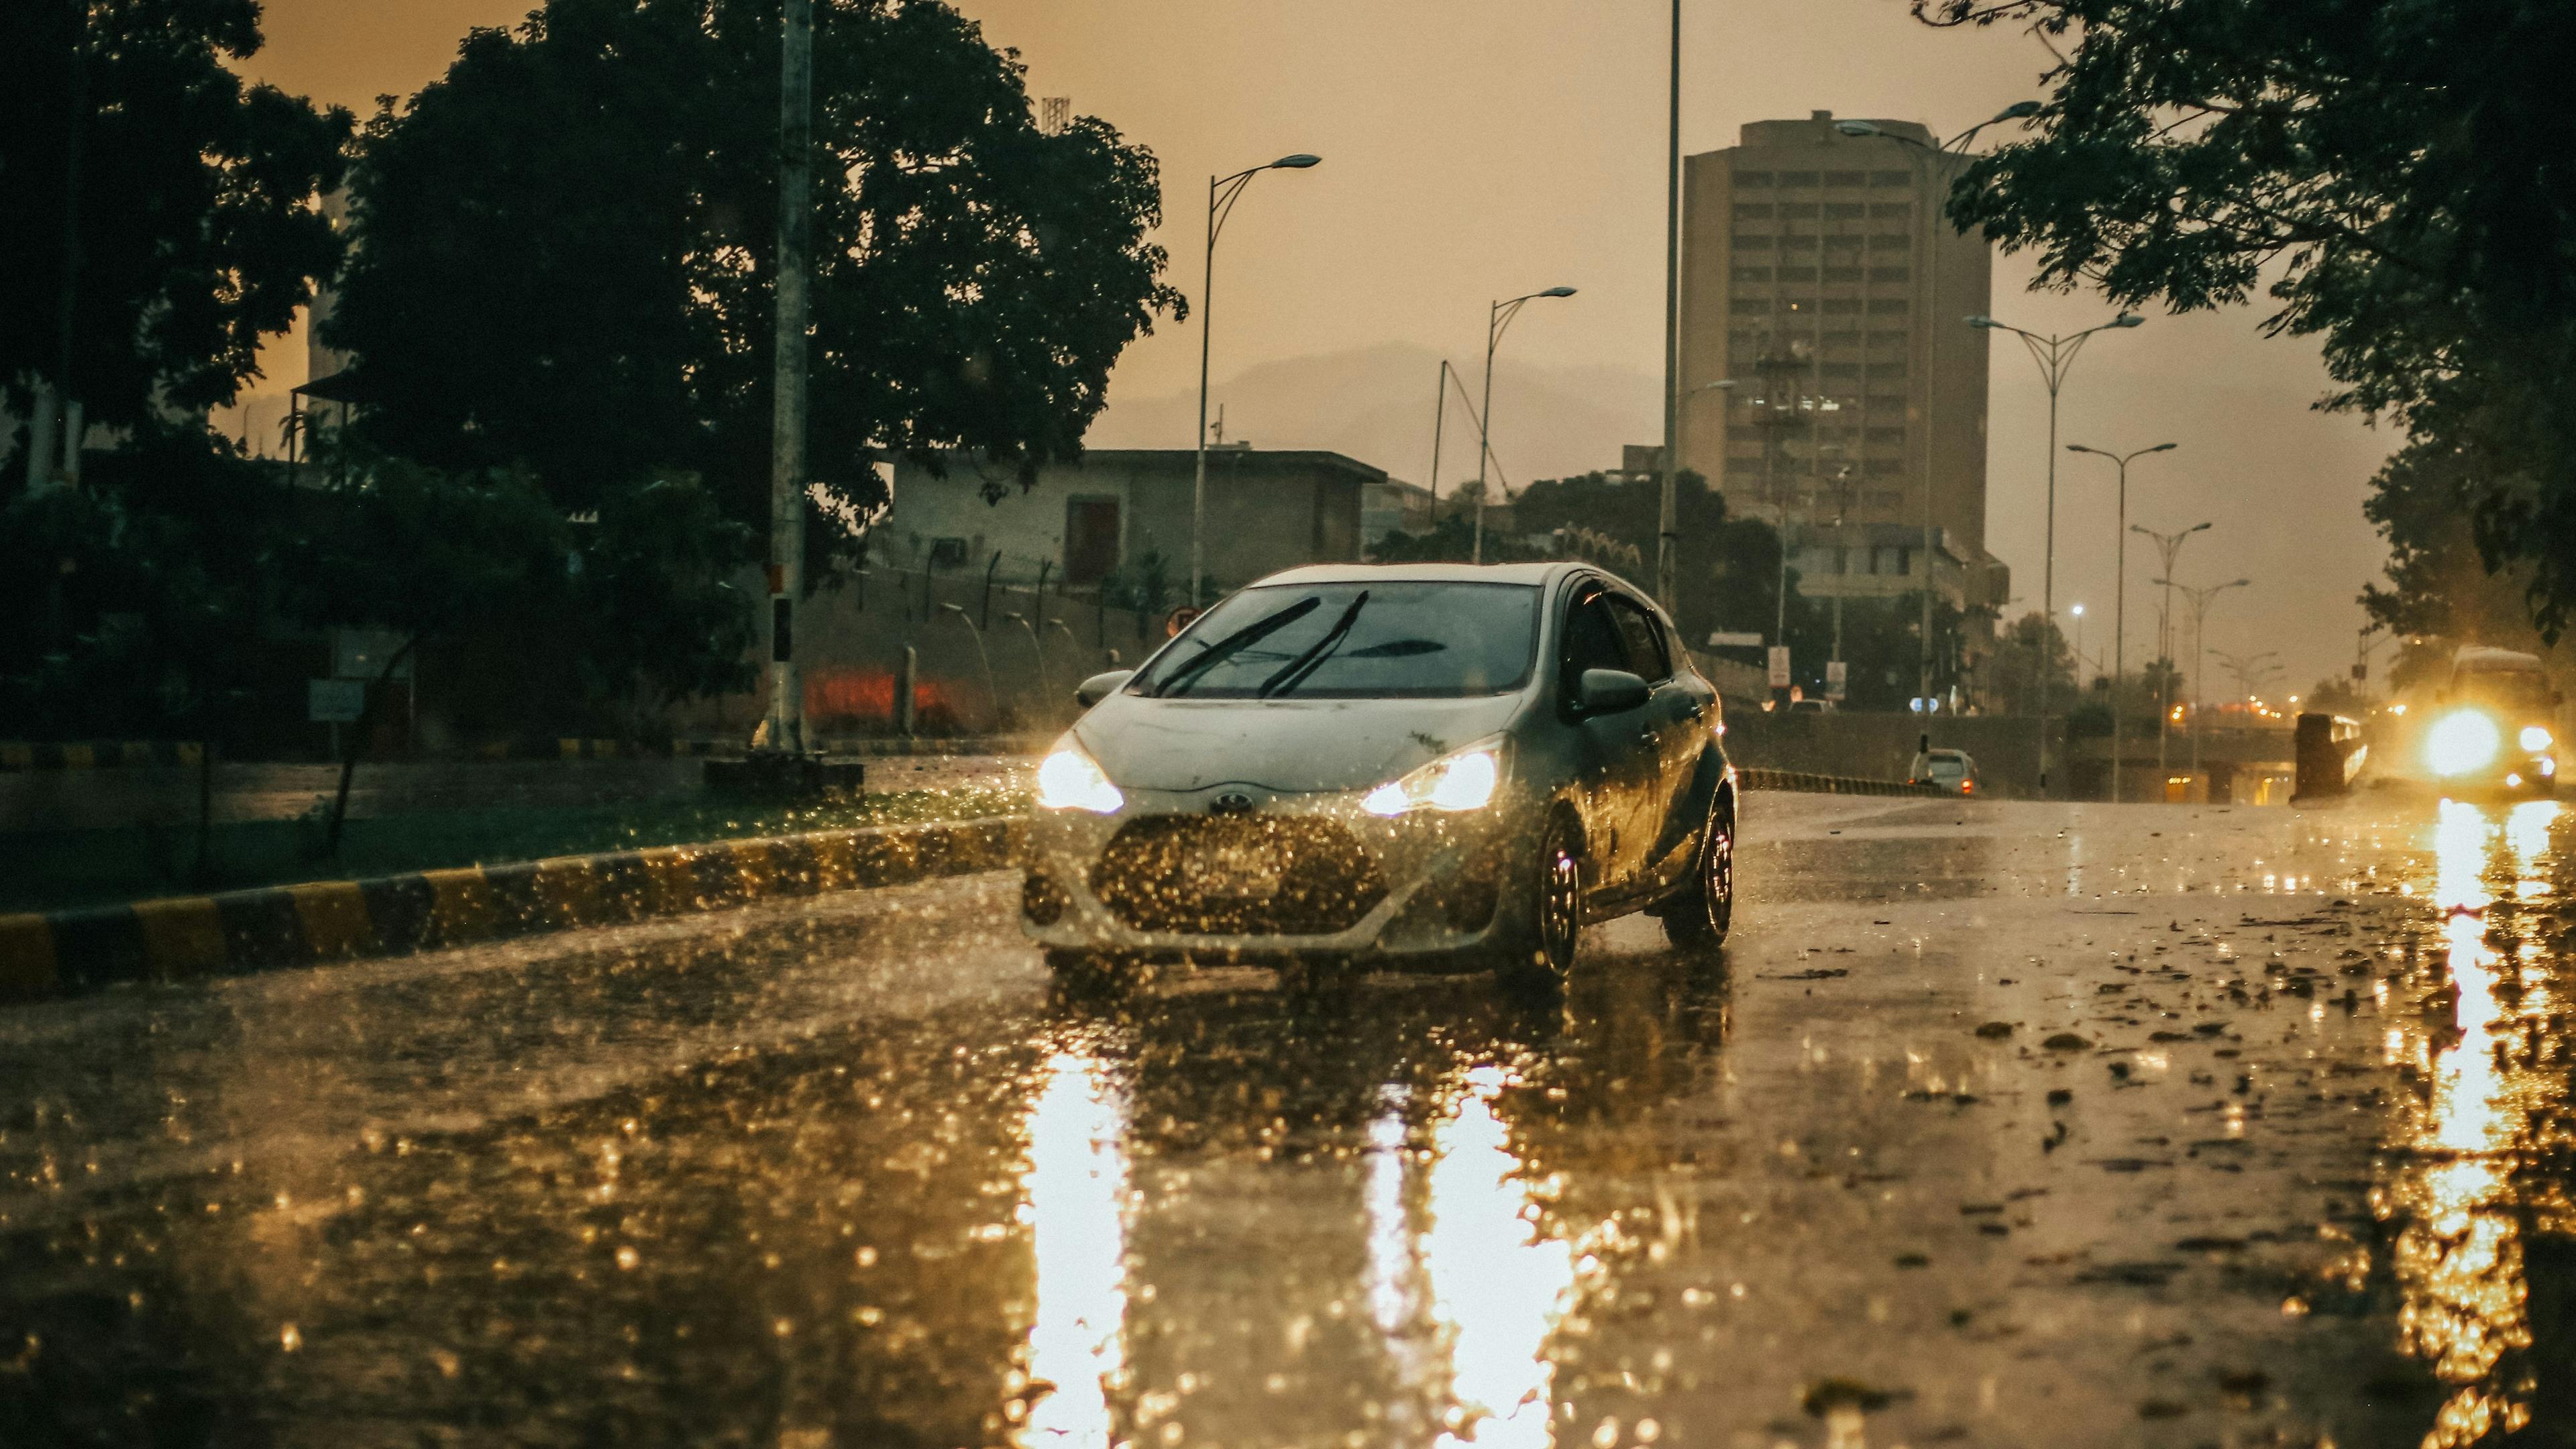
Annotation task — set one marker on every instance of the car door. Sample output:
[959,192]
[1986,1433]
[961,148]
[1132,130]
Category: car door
[1671,733]
[1612,767]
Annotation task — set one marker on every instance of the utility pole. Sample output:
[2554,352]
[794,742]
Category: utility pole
[1668,507]
[787,417]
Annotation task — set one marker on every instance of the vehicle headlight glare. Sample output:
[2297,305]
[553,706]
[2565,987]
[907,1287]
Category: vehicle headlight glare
[1455,782]
[1069,779]
[2535,737]
[2461,742]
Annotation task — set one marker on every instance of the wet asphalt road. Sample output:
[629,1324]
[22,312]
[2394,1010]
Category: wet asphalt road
[1995,1124]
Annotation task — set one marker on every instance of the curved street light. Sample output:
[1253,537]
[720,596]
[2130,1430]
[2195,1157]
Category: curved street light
[2200,601]
[2168,547]
[2119,593]
[992,692]
[1498,320]
[1222,192]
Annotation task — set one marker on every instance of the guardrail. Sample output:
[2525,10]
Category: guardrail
[1760,779]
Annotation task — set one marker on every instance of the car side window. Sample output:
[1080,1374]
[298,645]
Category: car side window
[1647,658]
[1592,639]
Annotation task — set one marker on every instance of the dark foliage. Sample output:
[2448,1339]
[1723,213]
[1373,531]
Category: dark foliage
[2392,176]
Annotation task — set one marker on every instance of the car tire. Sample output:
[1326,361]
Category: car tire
[1697,918]
[1546,931]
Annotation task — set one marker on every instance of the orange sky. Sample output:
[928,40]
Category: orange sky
[1495,147]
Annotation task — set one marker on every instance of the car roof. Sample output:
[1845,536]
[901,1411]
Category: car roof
[1517,573]
[2478,659]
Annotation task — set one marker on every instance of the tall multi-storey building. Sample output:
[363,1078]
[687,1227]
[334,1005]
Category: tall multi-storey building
[1821,282]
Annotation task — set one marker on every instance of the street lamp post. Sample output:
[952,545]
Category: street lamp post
[1498,320]
[2119,595]
[2078,612]
[2055,356]
[1667,498]
[2168,547]
[1946,151]
[1222,192]
[2200,601]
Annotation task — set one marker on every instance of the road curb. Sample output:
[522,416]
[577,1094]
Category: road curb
[1830,784]
[20,755]
[65,953]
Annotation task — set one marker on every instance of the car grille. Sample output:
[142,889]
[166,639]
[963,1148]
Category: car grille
[1238,875]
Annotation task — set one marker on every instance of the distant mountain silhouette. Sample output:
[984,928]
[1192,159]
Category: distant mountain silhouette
[1375,403]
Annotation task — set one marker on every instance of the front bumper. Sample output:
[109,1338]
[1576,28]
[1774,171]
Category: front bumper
[1163,878]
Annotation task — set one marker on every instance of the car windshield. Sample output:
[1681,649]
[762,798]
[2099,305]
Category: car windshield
[1376,640]
[2502,688]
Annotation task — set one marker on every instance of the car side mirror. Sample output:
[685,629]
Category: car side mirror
[1100,686]
[1610,691]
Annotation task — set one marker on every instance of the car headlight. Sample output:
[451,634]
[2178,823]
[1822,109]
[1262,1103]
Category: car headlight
[1069,779]
[1462,780]
[2535,737]
[2460,742]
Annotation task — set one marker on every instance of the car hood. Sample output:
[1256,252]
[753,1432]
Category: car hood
[1280,744]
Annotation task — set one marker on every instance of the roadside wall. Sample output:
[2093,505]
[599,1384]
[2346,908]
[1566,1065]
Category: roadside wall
[1881,746]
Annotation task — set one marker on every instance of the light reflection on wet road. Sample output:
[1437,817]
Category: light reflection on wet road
[1997,1124]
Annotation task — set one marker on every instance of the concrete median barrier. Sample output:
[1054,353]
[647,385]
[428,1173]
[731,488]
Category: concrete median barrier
[64,953]
[1813,784]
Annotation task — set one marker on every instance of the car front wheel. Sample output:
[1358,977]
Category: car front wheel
[1539,950]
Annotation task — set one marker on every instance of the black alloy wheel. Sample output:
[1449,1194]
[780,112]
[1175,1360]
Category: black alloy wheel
[1699,915]
[1542,952]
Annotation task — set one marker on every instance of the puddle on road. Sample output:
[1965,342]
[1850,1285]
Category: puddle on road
[1416,1211]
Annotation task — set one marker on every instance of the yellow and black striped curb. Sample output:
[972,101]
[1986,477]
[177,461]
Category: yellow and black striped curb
[97,754]
[67,952]
[1830,784]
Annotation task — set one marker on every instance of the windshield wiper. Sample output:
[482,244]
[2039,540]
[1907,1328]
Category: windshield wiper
[1294,672]
[1217,653]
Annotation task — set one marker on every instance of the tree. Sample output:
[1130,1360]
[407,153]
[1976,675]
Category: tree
[419,551]
[193,229]
[1729,567]
[564,252]
[2027,646]
[2385,173]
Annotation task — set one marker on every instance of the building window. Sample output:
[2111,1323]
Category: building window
[1888,369]
[1798,304]
[1841,243]
[1905,561]
[1842,560]
[1749,306]
[1752,274]
[1886,402]
[1891,274]
[1846,209]
[1891,178]
[1743,433]
[947,553]
[1844,338]
[1891,210]
[1752,210]
[1844,178]
[1886,337]
[1844,275]
[1836,306]
[1882,436]
[1883,467]
[1752,242]
[1752,178]
[1842,369]
[1887,305]
[1890,241]
[1797,178]
[1797,211]
[1806,243]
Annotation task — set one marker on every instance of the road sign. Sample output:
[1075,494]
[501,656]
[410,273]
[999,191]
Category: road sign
[1779,666]
[335,701]
[1836,672]
[1723,639]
